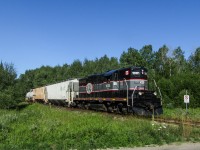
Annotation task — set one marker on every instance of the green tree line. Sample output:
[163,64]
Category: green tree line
[173,73]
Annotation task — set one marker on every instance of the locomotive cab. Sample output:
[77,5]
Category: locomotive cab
[142,100]
[139,73]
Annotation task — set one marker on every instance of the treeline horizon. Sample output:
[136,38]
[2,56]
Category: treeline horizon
[174,74]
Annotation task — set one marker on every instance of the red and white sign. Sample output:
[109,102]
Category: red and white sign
[186,98]
[127,72]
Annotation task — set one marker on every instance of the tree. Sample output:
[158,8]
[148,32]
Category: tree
[179,59]
[89,67]
[167,90]
[7,81]
[131,58]
[194,61]
[76,69]
[114,64]
[103,64]
[161,61]
[148,55]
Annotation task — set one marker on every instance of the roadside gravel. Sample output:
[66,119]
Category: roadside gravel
[175,146]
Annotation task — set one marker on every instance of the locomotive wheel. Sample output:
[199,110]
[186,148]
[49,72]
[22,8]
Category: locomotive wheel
[86,106]
[110,109]
[124,111]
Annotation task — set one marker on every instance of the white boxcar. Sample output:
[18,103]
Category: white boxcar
[63,92]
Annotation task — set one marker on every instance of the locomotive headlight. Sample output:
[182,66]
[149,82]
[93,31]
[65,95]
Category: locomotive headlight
[155,93]
[140,93]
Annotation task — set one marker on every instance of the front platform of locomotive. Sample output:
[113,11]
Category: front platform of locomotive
[141,99]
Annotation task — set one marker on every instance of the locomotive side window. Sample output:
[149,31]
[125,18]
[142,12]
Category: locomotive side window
[136,73]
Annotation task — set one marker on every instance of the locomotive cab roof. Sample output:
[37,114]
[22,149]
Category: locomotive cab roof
[133,67]
[109,73]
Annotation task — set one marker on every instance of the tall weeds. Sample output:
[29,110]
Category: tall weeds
[42,127]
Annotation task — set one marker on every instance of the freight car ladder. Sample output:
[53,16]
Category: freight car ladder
[72,92]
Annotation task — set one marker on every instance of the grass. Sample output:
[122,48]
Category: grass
[180,114]
[41,127]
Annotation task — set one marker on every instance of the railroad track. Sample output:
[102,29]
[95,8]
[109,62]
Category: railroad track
[179,122]
[157,119]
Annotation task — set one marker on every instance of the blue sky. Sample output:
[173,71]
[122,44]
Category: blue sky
[53,32]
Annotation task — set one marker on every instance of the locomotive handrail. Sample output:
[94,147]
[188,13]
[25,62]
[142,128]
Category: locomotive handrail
[133,94]
[158,90]
[126,91]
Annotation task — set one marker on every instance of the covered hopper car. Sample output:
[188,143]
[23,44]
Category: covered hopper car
[59,93]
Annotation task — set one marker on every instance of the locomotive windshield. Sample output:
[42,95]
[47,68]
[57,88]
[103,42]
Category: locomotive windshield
[139,73]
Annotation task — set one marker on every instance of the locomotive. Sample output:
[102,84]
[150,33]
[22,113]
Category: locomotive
[122,90]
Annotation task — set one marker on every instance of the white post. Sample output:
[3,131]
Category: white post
[186,105]
[186,101]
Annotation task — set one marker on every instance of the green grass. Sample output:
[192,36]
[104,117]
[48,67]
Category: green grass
[41,127]
[180,114]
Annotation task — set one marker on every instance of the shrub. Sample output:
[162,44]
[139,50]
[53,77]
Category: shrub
[7,99]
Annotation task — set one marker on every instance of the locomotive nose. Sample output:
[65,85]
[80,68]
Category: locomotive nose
[147,112]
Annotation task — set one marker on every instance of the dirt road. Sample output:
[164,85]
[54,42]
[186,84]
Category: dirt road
[177,146]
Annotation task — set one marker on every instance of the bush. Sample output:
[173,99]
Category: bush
[7,99]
